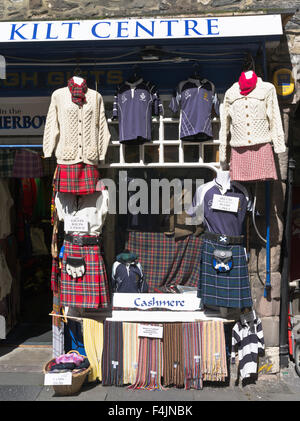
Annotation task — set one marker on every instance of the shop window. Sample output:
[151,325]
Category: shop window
[165,146]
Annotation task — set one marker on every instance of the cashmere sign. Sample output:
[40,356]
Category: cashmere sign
[122,29]
[175,302]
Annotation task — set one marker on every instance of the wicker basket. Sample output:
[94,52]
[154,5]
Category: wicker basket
[77,380]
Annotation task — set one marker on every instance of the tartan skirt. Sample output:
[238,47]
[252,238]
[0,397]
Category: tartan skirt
[77,178]
[224,289]
[253,163]
[166,262]
[90,290]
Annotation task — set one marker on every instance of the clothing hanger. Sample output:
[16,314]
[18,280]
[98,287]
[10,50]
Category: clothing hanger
[248,317]
[135,75]
[248,63]
[196,72]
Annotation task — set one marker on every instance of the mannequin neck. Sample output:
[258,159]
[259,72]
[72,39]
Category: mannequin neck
[78,80]
[249,74]
[223,180]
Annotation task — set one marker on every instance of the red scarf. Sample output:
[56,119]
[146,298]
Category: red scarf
[247,85]
[77,91]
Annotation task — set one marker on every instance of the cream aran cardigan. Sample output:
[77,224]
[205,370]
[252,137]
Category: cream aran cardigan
[76,133]
[250,120]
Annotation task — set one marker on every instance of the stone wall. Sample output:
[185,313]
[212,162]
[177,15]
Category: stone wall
[85,9]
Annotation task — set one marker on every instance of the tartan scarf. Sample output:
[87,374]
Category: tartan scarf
[77,91]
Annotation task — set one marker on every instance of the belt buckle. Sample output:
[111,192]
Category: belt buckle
[78,240]
[223,239]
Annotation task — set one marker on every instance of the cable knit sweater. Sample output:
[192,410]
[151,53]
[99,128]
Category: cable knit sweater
[76,133]
[251,120]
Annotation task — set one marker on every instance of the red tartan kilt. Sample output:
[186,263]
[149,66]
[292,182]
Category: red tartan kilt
[251,163]
[90,290]
[77,178]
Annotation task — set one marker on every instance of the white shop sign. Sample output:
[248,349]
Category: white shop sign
[23,116]
[150,331]
[225,203]
[58,379]
[176,302]
[122,29]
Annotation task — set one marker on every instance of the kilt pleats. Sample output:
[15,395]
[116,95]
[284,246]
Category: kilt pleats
[76,178]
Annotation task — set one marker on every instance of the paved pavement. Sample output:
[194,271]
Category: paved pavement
[22,379]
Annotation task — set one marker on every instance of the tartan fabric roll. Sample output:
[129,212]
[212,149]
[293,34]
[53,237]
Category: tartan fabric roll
[76,178]
[150,362]
[224,289]
[165,261]
[192,355]
[93,345]
[173,355]
[214,363]
[7,158]
[130,352]
[112,358]
[90,290]
[253,163]
[27,164]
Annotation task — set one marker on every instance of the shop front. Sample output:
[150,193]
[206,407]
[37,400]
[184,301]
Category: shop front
[140,254]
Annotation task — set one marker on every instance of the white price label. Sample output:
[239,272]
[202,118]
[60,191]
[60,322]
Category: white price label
[150,331]
[225,203]
[74,223]
[58,379]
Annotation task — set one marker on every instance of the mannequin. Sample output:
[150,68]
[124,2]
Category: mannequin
[221,206]
[223,180]
[78,80]
[251,124]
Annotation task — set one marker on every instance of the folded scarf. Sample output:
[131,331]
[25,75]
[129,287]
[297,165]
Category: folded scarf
[130,352]
[192,355]
[214,363]
[77,91]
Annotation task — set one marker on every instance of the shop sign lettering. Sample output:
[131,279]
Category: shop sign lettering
[23,116]
[208,27]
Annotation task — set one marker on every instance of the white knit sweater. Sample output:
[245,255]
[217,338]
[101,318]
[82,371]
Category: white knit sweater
[76,133]
[250,120]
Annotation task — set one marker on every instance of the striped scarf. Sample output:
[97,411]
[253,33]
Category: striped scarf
[214,364]
[192,355]
[93,345]
[150,361]
[77,91]
[173,355]
[130,352]
[112,358]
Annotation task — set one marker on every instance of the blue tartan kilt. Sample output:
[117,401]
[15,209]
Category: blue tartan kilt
[224,289]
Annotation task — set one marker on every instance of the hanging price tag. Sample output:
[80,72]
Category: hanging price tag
[225,203]
[76,224]
[150,331]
